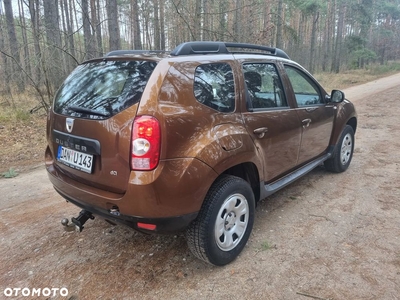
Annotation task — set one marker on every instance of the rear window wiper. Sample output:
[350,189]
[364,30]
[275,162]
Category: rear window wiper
[89,111]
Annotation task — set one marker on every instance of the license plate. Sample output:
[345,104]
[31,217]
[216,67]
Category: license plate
[75,159]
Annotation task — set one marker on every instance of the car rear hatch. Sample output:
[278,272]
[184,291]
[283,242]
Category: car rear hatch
[91,121]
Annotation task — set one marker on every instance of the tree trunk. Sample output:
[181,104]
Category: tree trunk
[34,14]
[266,28]
[197,24]
[95,25]
[95,12]
[74,18]
[207,20]
[237,28]
[327,38]
[5,74]
[87,32]
[279,26]
[137,41]
[162,25]
[27,59]
[222,19]
[72,60]
[157,30]
[12,38]
[54,69]
[338,45]
[113,26]
[313,42]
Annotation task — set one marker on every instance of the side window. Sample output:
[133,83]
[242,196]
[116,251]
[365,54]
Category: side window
[214,86]
[305,90]
[264,87]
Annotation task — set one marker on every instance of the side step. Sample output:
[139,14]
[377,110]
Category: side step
[271,188]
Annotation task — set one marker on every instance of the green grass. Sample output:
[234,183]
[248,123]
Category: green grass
[10,115]
[10,173]
[16,108]
[265,246]
[22,115]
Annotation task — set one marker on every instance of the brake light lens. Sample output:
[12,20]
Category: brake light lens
[147,226]
[146,142]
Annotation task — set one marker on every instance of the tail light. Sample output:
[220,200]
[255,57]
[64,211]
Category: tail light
[146,142]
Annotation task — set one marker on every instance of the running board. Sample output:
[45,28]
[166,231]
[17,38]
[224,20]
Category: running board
[271,188]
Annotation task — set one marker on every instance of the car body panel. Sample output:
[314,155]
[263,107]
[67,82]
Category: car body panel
[109,170]
[280,144]
[199,143]
[317,124]
[175,188]
[345,115]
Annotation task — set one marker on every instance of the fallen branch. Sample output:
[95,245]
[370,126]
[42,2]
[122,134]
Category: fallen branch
[311,296]
[317,216]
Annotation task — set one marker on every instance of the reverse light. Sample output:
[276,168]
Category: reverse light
[146,141]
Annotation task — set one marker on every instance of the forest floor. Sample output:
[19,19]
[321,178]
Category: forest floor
[327,236]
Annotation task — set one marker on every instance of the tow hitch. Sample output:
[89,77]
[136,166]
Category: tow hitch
[77,223]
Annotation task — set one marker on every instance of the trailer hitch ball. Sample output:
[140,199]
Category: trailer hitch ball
[68,226]
[78,222]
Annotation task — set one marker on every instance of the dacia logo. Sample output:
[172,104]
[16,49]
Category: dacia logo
[69,124]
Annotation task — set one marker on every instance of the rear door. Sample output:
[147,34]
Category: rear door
[315,115]
[272,123]
[92,118]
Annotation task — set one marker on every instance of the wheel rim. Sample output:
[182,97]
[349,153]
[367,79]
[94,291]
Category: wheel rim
[347,147]
[232,221]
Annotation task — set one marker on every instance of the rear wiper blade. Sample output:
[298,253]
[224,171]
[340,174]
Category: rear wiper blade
[87,111]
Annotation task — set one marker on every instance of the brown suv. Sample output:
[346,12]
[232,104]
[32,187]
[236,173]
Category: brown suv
[191,139]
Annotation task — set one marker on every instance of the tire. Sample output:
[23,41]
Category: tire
[343,152]
[224,223]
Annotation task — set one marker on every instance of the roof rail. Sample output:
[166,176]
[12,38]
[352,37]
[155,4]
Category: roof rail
[133,52]
[189,48]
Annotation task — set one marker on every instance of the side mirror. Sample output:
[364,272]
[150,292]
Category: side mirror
[337,96]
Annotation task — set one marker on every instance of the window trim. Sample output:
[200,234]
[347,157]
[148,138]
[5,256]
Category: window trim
[233,108]
[247,95]
[308,77]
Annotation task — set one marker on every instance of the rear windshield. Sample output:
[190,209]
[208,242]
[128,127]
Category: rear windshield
[99,90]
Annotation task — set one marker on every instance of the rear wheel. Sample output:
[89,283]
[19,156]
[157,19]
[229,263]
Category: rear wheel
[224,223]
[343,153]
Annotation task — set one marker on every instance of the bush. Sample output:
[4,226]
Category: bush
[389,67]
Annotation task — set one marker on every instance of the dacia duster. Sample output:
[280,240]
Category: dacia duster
[191,139]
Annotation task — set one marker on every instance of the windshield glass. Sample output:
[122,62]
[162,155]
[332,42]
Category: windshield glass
[98,90]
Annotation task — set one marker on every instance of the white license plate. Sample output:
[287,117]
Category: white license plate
[75,159]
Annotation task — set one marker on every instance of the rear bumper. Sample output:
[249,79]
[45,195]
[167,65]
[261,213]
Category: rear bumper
[163,225]
[168,198]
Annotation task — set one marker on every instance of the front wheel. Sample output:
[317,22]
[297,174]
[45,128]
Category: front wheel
[343,153]
[224,223]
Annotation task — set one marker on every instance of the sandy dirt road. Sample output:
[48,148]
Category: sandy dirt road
[331,236]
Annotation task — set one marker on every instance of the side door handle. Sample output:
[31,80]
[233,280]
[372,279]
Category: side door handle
[306,123]
[260,132]
[310,109]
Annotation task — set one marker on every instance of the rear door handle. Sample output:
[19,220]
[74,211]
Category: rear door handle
[260,132]
[306,122]
[310,109]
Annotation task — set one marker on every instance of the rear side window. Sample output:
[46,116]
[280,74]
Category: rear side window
[98,90]
[214,86]
[264,87]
